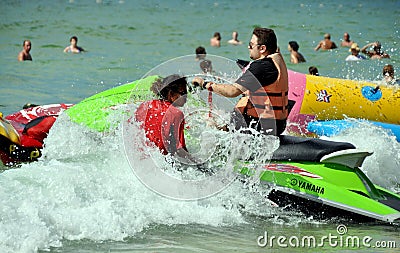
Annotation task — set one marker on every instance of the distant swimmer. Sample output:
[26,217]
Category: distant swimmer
[206,66]
[346,42]
[234,40]
[73,48]
[388,75]
[215,41]
[355,53]
[326,43]
[24,55]
[295,56]
[313,71]
[29,105]
[200,53]
[376,52]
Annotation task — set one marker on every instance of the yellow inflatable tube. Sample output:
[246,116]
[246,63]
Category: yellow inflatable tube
[8,131]
[350,98]
[333,98]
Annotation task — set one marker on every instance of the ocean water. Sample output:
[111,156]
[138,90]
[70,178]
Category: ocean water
[82,195]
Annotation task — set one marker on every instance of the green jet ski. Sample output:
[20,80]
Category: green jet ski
[323,178]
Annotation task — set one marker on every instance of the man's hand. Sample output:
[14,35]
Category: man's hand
[198,81]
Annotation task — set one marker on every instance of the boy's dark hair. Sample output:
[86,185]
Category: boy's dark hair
[162,86]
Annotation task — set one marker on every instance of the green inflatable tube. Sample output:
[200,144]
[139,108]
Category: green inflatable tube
[93,111]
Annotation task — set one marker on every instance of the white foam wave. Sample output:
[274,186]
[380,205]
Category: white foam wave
[382,167]
[83,188]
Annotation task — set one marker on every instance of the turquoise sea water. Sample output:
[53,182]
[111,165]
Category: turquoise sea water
[82,197]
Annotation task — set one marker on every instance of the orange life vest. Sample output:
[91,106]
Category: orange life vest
[270,101]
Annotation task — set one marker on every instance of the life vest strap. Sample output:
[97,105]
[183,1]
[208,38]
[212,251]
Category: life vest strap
[275,108]
[269,94]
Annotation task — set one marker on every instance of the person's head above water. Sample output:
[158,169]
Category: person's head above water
[170,88]
[200,53]
[313,71]
[294,45]
[206,66]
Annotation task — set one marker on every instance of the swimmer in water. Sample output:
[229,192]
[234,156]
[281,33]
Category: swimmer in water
[73,48]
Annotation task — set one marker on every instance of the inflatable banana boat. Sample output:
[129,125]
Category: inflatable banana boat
[321,99]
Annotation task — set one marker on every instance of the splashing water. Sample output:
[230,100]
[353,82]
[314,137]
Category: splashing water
[83,188]
[383,166]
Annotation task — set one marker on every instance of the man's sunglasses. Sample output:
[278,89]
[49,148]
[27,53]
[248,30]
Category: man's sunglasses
[251,45]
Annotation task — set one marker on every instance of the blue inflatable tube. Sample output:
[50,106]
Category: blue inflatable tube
[334,127]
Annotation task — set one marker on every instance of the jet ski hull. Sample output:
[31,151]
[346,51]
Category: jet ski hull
[326,189]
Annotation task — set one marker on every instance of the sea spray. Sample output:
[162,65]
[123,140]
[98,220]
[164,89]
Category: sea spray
[382,167]
[84,188]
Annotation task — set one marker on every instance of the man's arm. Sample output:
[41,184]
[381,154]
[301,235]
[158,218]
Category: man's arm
[364,48]
[226,90]
[20,56]
[318,46]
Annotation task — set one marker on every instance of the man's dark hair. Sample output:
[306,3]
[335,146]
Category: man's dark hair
[266,37]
